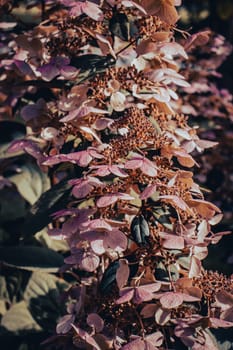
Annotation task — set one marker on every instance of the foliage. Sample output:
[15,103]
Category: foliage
[107,162]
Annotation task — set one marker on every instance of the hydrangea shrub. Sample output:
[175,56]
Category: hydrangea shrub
[100,86]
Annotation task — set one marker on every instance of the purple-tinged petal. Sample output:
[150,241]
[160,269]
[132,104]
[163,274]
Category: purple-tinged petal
[149,191]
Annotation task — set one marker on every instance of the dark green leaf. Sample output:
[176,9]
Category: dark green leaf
[12,205]
[50,202]
[10,131]
[31,258]
[119,25]
[42,297]
[30,181]
[163,214]
[41,283]
[139,230]
[92,62]
[109,277]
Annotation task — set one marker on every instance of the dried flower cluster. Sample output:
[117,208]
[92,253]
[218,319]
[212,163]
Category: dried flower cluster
[96,83]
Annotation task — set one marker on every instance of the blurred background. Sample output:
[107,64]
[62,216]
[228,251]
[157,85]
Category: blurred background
[215,114]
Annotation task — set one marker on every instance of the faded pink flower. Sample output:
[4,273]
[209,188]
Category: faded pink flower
[89,8]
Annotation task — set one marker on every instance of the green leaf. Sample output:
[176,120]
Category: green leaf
[119,25]
[162,215]
[10,131]
[42,297]
[4,296]
[19,319]
[49,202]
[3,308]
[31,258]
[13,206]
[140,230]
[48,242]
[31,182]
[41,283]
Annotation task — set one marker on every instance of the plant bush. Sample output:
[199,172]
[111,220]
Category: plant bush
[96,84]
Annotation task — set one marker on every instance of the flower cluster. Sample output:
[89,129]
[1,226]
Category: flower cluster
[97,85]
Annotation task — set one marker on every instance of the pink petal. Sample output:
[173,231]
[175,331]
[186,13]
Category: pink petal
[190,298]
[216,219]
[76,10]
[28,146]
[102,123]
[171,300]
[117,101]
[107,200]
[125,196]
[224,299]
[24,67]
[116,170]
[82,190]
[134,163]
[200,251]
[65,324]
[34,110]
[148,168]
[172,241]
[128,3]
[82,111]
[149,191]
[92,10]
[206,144]
[89,262]
[195,267]
[102,170]
[137,344]
[82,158]
[98,224]
[176,200]
[48,71]
[142,293]
[7,25]
[122,274]
[58,158]
[95,321]
[148,310]
[97,246]
[86,337]
[216,323]
[126,295]
[173,49]
[69,72]
[155,338]
[162,316]
[117,240]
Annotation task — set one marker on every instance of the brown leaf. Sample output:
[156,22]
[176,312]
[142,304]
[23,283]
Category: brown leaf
[205,209]
[164,9]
